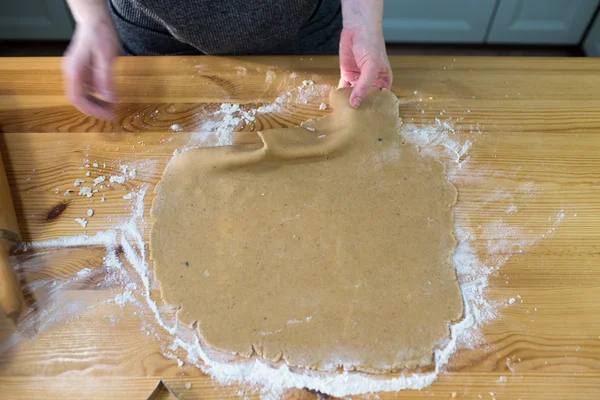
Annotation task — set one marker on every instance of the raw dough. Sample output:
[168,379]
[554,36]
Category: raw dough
[328,247]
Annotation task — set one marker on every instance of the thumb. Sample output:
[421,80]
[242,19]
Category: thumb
[103,77]
[368,74]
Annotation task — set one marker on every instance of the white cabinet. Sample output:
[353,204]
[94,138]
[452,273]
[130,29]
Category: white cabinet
[591,45]
[35,19]
[434,21]
[464,21]
[541,21]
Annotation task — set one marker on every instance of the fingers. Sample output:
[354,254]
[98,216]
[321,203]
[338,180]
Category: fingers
[343,83]
[368,74]
[384,80]
[103,78]
[76,73]
[83,78]
[78,93]
[390,78]
[97,107]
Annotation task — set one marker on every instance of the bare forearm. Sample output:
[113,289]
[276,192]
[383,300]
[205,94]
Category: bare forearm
[362,13]
[89,11]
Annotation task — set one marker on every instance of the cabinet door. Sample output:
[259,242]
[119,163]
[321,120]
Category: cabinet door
[591,43]
[541,22]
[464,21]
[35,19]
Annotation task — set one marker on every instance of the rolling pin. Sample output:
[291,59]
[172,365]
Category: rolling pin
[11,296]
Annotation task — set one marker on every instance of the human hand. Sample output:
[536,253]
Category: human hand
[363,62]
[363,58]
[88,67]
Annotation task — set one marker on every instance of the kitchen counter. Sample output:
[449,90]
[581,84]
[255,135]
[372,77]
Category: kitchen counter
[529,193]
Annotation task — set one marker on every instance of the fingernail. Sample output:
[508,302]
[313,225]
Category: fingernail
[356,102]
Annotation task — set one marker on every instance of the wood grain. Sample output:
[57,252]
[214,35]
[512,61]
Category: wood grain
[534,124]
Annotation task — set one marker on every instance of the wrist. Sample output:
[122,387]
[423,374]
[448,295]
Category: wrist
[363,14]
[369,28]
[89,13]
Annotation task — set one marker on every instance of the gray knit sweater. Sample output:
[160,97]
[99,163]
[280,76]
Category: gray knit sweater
[227,27]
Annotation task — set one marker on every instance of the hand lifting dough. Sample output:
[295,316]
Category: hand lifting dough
[328,247]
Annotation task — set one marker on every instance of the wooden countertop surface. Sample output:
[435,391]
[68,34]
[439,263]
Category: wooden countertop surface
[535,125]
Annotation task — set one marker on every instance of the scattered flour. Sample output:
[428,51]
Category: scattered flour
[129,196]
[439,140]
[84,273]
[99,180]
[90,213]
[117,179]
[270,76]
[501,240]
[85,191]
[512,209]
[241,71]
[104,239]
[130,273]
[81,221]
[217,128]
[122,298]
[270,108]
[299,321]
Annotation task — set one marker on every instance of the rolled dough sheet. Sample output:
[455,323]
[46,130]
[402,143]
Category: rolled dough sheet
[328,247]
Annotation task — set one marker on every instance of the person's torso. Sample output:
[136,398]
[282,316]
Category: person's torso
[237,26]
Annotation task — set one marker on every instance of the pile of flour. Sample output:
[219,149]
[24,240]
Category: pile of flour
[217,127]
[129,275]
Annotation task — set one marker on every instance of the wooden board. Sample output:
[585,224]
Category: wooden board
[534,126]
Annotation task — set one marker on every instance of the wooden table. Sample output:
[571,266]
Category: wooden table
[537,127]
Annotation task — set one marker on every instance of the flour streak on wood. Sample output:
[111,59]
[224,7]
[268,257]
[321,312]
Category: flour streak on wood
[538,152]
